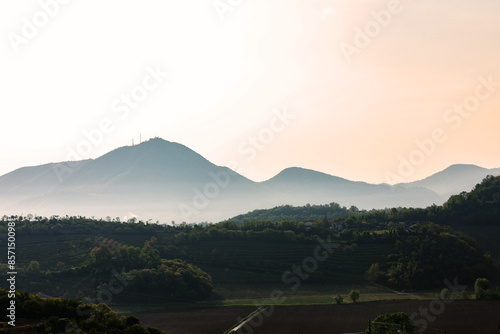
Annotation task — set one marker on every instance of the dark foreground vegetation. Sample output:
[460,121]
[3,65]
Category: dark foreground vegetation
[54,315]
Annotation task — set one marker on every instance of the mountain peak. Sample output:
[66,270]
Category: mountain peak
[303,175]
[463,167]
[156,141]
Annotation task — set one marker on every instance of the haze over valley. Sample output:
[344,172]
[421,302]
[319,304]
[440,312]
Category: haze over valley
[167,181]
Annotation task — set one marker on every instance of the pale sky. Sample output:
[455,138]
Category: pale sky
[354,90]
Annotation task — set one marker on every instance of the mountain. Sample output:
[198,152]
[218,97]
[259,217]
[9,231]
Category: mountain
[299,186]
[454,179]
[156,179]
[168,181]
[155,164]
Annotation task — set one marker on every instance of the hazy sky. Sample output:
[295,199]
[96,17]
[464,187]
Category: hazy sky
[346,87]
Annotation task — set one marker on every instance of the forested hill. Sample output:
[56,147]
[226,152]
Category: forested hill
[480,206]
[297,213]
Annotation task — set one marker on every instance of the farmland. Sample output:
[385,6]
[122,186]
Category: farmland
[243,264]
[266,261]
[487,237]
[460,317]
[70,249]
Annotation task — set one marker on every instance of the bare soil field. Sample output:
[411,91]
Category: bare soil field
[459,317]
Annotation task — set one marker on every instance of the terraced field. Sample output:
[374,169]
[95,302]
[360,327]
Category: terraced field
[71,249]
[240,269]
[51,249]
[487,237]
[243,260]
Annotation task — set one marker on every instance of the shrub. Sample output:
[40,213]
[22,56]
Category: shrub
[339,300]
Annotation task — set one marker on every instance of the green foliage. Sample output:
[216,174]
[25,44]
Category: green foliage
[374,273]
[354,295]
[351,248]
[174,279]
[425,255]
[483,289]
[380,324]
[339,300]
[66,315]
[479,206]
[33,268]
[301,213]
[445,294]
[481,286]
[130,320]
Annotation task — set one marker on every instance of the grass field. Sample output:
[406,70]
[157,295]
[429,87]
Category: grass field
[314,294]
[240,295]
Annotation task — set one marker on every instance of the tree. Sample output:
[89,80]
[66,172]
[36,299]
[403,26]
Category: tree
[351,222]
[339,300]
[373,274]
[354,295]
[481,287]
[34,267]
[101,254]
[129,321]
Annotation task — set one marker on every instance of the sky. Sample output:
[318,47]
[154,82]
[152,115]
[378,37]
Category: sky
[369,90]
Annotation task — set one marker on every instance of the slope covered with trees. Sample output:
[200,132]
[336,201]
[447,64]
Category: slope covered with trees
[480,206]
[54,315]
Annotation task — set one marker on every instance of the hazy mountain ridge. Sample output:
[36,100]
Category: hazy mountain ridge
[454,179]
[320,188]
[168,181]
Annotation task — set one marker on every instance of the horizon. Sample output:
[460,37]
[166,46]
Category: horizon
[376,91]
[257,181]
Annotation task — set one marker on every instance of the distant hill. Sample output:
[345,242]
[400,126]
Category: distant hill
[168,181]
[298,186]
[454,179]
